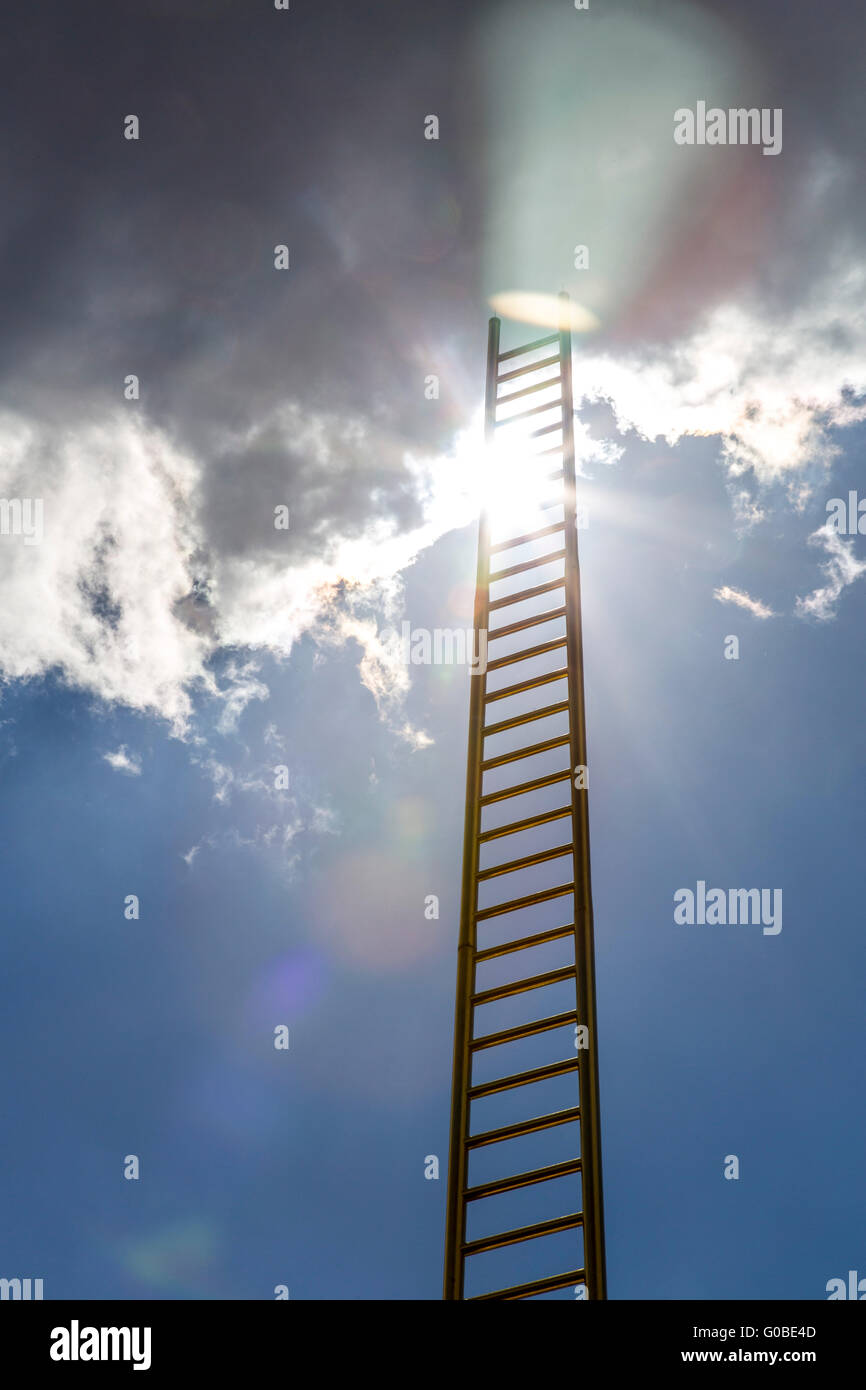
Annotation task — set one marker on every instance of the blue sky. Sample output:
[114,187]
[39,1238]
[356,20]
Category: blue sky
[154,1037]
[164,650]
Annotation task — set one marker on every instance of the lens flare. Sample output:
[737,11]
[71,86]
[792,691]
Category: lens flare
[543,309]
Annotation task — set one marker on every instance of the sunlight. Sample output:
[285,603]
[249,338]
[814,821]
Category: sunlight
[502,479]
[515,487]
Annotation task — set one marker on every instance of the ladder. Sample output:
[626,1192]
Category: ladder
[515,803]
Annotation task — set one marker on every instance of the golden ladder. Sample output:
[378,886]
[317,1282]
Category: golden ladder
[556,799]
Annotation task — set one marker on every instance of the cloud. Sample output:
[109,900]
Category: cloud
[278,838]
[100,600]
[771,385]
[738,596]
[324,821]
[841,569]
[747,512]
[243,687]
[732,300]
[152,564]
[143,576]
[272,735]
[124,761]
[220,774]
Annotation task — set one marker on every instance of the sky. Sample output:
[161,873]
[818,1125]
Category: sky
[199,709]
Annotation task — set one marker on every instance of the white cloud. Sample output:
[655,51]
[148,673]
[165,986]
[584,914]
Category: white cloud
[747,512]
[841,568]
[220,774]
[124,761]
[738,596]
[130,595]
[243,687]
[98,600]
[771,386]
[277,838]
[324,821]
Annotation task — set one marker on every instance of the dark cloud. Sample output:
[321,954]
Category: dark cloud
[261,127]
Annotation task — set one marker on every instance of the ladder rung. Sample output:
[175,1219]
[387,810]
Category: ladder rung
[522,624]
[524,1078]
[516,720]
[525,414]
[527,593]
[544,429]
[530,751]
[542,896]
[524,540]
[515,1131]
[512,866]
[543,453]
[525,1030]
[535,784]
[521,1233]
[528,1179]
[555,477]
[531,684]
[522,943]
[526,565]
[549,1285]
[550,977]
[530,347]
[526,653]
[532,391]
[533,367]
[552,502]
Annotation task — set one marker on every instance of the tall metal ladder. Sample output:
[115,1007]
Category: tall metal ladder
[557,799]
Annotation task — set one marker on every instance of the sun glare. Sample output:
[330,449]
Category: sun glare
[515,486]
[502,479]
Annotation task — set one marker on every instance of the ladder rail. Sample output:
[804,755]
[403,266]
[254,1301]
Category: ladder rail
[584,959]
[458,1162]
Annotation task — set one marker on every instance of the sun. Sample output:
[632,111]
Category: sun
[517,492]
[505,479]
